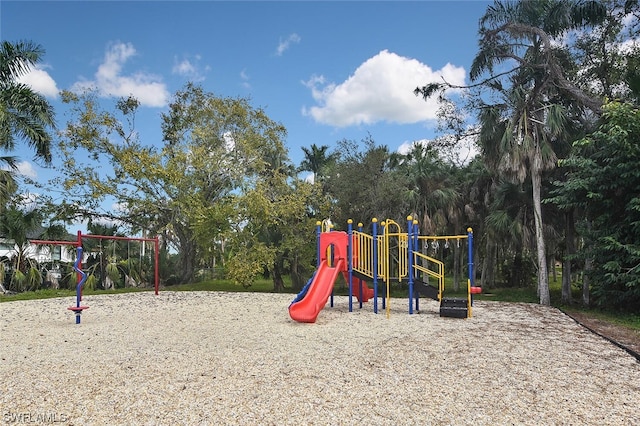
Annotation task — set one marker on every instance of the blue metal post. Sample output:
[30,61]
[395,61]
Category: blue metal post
[83,278]
[318,231]
[410,260]
[470,256]
[349,261]
[416,248]
[384,299]
[374,261]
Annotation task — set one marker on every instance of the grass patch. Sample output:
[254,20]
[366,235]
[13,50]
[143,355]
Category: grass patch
[631,321]
[51,293]
[38,294]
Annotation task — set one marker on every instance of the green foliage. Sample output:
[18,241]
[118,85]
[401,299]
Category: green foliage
[317,161]
[113,272]
[365,183]
[249,262]
[24,114]
[603,180]
[276,235]
[91,282]
[215,151]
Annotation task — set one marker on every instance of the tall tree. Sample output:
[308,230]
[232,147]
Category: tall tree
[603,180]
[521,62]
[533,115]
[24,114]
[365,183]
[214,152]
[317,160]
[431,192]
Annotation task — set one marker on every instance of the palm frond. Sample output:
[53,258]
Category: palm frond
[17,59]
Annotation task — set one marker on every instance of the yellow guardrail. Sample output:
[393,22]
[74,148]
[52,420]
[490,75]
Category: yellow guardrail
[363,260]
[402,248]
[437,274]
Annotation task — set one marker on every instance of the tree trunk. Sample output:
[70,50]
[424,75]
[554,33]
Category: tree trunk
[588,266]
[586,301]
[569,252]
[488,276]
[297,272]
[543,276]
[187,262]
[188,253]
[278,282]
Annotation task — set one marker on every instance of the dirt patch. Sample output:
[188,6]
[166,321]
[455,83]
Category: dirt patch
[624,337]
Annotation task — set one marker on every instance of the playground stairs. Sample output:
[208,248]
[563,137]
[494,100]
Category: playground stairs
[425,289]
[453,307]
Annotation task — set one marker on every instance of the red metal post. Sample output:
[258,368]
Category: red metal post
[157,259]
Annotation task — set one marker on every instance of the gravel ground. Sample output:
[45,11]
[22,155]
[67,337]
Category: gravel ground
[237,358]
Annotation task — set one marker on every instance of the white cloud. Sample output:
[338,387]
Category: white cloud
[26,169]
[184,67]
[286,43]
[245,79]
[381,89]
[461,153]
[40,81]
[190,68]
[28,201]
[309,178]
[109,80]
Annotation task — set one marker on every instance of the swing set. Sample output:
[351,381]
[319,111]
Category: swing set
[82,276]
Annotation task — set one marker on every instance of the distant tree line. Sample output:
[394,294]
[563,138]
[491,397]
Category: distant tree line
[552,110]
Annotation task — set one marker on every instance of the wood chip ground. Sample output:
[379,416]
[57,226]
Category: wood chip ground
[212,358]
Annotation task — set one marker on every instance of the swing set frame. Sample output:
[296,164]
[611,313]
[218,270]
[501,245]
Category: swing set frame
[78,243]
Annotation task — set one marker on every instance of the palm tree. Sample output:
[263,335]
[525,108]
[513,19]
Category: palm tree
[8,185]
[431,194]
[316,160]
[24,114]
[17,225]
[519,132]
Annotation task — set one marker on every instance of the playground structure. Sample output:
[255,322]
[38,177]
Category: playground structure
[380,258]
[82,276]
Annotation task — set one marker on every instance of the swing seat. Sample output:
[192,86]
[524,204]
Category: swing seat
[77,309]
[475,290]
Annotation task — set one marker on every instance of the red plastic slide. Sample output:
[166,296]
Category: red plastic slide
[307,309]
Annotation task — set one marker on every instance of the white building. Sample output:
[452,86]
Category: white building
[38,252]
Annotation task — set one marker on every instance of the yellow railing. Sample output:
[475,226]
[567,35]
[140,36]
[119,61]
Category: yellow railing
[363,253]
[382,254]
[420,259]
[401,261]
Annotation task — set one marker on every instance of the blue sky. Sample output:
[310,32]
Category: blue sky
[325,70]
